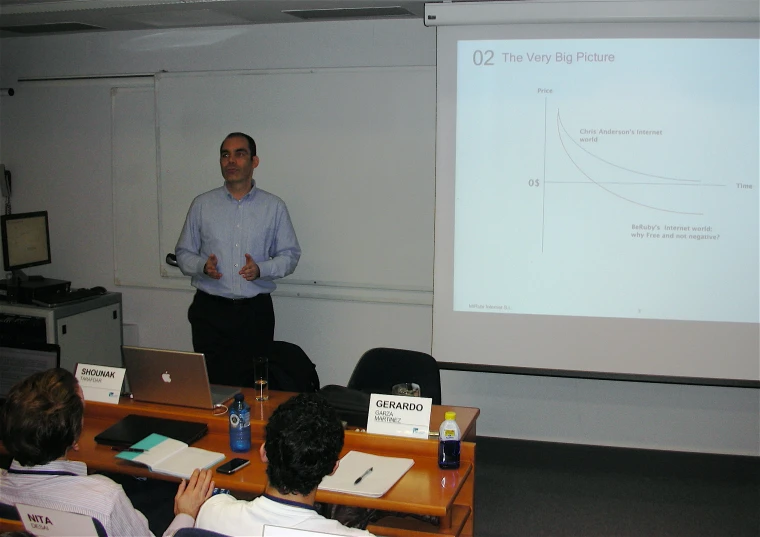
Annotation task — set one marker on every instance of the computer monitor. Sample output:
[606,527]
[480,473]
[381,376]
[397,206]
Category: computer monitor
[19,360]
[26,240]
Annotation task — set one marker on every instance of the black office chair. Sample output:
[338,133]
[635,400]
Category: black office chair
[380,368]
[291,369]
[9,519]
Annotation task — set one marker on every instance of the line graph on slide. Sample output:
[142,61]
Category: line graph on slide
[615,177]
[630,165]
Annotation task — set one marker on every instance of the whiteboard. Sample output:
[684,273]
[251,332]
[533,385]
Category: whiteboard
[351,151]
[135,197]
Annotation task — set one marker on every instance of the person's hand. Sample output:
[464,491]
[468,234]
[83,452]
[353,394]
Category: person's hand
[191,494]
[209,268]
[251,270]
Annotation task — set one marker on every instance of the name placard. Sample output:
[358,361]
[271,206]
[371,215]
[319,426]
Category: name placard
[41,521]
[100,383]
[399,415]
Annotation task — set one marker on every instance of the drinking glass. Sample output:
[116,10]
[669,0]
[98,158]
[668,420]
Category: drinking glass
[261,378]
[406,388]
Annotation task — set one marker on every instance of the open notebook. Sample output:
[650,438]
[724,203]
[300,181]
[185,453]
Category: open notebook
[168,456]
[378,474]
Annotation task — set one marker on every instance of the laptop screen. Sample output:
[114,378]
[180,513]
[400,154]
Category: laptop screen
[171,377]
[19,360]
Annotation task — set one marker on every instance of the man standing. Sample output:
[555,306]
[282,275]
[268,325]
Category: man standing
[303,441]
[236,240]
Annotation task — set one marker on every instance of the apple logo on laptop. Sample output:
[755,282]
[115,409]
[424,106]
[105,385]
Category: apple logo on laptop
[166,377]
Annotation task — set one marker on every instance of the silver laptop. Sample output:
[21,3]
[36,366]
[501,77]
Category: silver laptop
[172,378]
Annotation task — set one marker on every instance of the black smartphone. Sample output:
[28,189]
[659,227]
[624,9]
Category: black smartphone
[230,467]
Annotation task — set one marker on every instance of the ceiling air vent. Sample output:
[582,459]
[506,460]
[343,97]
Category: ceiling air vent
[349,13]
[54,27]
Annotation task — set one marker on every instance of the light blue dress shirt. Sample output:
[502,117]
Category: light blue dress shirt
[258,224]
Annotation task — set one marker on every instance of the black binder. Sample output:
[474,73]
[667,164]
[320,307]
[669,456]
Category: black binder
[133,428]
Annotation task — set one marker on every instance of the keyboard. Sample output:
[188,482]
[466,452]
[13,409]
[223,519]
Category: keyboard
[58,299]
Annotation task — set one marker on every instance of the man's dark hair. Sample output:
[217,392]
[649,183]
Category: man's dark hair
[251,142]
[42,417]
[303,440]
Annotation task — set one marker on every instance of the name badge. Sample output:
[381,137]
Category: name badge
[399,415]
[100,383]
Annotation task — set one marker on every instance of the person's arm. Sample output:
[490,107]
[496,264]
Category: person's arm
[180,521]
[124,520]
[188,247]
[285,250]
[190,496]
[218,514]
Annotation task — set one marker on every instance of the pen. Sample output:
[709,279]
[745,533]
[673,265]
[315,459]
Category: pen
[129,449]
[365,474]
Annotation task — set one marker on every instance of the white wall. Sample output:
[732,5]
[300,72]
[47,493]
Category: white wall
[61,161]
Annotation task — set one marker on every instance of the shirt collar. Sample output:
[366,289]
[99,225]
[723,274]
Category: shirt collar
[74,467]
[249,194]
[291,503]
[253,189]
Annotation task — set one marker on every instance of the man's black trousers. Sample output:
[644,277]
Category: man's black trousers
[231,333]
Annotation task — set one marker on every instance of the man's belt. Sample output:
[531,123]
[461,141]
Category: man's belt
[226,300]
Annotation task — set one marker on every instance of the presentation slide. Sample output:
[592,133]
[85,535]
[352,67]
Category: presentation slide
[609,178]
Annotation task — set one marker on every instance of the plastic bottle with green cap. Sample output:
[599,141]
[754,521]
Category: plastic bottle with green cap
[449,442]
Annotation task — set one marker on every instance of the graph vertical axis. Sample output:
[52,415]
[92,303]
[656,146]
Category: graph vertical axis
[543,183]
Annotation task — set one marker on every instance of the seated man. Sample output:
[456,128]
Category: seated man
[303,440]
[40,422]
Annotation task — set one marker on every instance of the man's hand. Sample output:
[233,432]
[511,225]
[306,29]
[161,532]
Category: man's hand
[251,270]
[191,494]
[209,268]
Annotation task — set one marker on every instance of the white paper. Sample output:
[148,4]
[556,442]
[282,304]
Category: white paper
[386,471]
[100,383]
[399,415]
[157,453]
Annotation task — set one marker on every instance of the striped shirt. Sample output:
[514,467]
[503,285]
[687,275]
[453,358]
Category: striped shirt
[258,224]
[65,486]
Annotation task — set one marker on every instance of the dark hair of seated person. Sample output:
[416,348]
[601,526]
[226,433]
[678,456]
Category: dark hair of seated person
[304,437]
[42,417]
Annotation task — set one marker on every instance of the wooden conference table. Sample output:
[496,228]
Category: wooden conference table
[423,490]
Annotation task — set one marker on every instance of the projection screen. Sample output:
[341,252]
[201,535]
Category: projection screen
[597,189]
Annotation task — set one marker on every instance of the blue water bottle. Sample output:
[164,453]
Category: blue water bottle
[240,425]
[449,442]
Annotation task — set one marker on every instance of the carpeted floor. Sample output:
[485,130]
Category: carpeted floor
[537,489]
